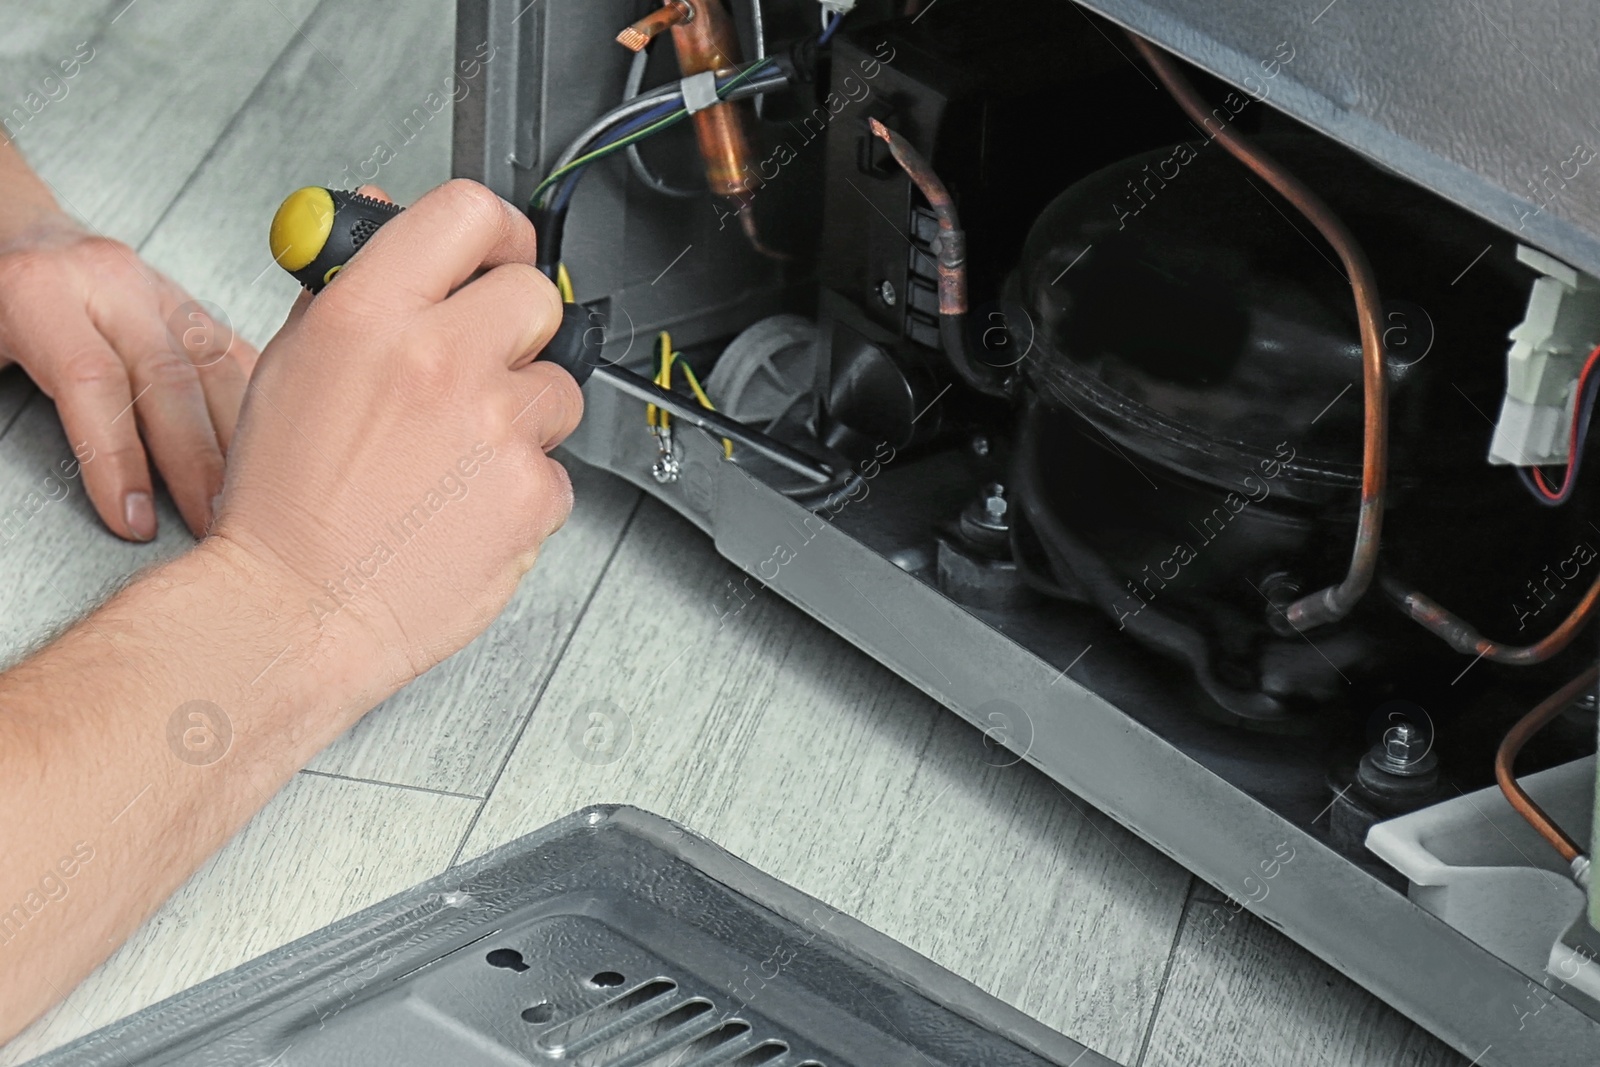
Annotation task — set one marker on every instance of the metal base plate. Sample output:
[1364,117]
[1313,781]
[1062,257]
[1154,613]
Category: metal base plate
[612,938]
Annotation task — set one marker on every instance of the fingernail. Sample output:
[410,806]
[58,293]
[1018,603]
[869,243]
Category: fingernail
[140,511]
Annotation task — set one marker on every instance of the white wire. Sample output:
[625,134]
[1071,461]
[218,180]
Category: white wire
[635,161]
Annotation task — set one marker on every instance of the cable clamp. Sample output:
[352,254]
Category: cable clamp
[700,91]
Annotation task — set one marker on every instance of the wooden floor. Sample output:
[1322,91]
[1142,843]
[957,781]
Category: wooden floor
[775,738]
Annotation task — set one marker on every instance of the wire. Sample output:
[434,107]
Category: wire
[705,402]
[658,419]
[1520,734]
[1334,602]
[653,416]
[638,118]
[636,163]
[831,28]
[646,123]
[1582,414]
[564,283]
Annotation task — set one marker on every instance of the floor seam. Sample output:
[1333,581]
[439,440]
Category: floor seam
[392,785]
[522,727]
[1166,973]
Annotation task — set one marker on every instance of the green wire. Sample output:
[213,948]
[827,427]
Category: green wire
[600,153]
[637,135]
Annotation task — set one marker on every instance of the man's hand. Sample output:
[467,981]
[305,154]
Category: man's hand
[126,354]
[404,420]
[387,487]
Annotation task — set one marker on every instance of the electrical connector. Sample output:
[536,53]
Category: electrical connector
[1548,348]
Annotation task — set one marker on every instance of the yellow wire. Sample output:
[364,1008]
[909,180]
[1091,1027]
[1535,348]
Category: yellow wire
[564,283]
[654,416]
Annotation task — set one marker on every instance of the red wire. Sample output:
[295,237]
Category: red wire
[1572,437]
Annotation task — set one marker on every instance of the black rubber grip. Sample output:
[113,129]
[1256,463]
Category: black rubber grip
[355,219]
[576,346]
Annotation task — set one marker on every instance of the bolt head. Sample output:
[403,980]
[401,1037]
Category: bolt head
[1403,742]
[887,294]
[665,470]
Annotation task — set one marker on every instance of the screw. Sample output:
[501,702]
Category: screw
[1404,750]
[1404,744]
[980,445]
[665,470]
[887,294]
[994,502]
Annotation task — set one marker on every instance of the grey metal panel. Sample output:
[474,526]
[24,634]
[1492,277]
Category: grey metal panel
[1489,103]
[556,67]
[1458,99]
[597,908]
[1095,739]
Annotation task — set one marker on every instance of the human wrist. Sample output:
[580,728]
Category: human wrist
[256,640]
[26,202]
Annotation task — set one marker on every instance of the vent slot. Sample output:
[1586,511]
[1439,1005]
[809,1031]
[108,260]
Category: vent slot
[655,1024]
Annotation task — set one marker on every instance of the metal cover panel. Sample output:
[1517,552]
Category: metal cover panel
[612,938]
[1489,104]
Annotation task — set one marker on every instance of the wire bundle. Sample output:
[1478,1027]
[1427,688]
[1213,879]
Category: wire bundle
[636,120]
[657,419]
[1533,478]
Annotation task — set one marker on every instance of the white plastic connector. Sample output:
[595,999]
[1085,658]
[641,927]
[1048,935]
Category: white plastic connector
[1548,348]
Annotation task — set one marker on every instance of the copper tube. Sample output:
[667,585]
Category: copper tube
[952,260]
[708,42]
[1526,727]
[747,223]
[1334,602]
[1459,634]
[641,33]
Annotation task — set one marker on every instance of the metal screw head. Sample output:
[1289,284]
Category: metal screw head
[995,504]
[1405,749]
[1404,743]
[980,445]
[665,470]
[887,294]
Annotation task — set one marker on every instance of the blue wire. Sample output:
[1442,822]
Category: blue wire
[833,26]
[569,185]
[1584,413]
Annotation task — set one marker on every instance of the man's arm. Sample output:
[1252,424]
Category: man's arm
[387,489]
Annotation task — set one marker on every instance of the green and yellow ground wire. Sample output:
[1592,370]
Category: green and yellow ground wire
[668,358]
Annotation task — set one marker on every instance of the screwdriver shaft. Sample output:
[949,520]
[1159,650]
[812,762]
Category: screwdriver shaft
[681,407]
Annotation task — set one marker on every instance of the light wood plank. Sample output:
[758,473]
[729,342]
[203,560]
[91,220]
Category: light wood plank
[322,849]
[56,558]
[318,118]
[163,82]
[453,728]
[793,750]
[1242,995]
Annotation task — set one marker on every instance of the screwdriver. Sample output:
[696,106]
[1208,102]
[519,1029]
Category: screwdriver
[315,232]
